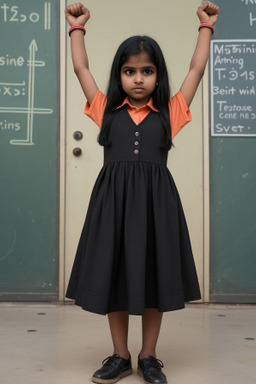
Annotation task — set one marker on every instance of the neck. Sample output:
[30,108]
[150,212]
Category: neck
[138,103]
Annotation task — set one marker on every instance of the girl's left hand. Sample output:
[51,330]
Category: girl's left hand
[208,13]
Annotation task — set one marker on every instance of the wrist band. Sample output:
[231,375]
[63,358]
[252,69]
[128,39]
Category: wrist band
[205,25]
[76,27]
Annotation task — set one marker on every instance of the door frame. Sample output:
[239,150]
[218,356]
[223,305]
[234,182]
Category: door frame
[62,175]
[206,185]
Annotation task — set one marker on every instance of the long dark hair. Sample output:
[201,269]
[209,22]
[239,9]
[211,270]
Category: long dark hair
[116,95]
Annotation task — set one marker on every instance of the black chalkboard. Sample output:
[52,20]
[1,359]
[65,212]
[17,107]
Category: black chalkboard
[233,85]
[232,153]
[29,130]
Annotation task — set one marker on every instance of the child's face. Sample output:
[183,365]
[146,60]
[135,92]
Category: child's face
[139,78]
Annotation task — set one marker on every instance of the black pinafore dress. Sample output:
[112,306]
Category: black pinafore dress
[134,251]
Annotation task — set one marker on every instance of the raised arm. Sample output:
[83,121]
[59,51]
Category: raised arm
[207,13]
[78,15]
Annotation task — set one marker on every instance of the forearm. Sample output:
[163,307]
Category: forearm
[78,51]
[201,54]
[207,14]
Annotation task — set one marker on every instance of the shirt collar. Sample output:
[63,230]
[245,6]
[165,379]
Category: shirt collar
[149,104]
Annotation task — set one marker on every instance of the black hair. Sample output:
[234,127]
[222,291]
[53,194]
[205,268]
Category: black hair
[116,95]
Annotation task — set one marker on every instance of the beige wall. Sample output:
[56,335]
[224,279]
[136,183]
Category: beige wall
[173,23]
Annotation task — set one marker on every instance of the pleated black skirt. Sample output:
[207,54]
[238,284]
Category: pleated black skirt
[134,251]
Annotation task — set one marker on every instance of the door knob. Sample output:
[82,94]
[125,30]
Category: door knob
[77,151]
[77,135]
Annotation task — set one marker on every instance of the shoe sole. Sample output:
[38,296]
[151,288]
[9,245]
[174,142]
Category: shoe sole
[140,373]
[112,381]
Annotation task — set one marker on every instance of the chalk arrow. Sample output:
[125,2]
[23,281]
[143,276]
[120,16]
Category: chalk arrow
[31,91]
[33,46]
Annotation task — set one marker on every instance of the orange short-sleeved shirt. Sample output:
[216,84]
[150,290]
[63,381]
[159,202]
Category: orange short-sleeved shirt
[180,113]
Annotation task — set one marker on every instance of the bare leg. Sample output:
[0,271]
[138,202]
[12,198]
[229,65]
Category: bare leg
[151,324]
[118,323]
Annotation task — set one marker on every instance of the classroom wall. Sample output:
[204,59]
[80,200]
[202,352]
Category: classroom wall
[174,25]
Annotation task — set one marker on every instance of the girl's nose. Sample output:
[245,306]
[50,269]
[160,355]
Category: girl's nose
[138,78]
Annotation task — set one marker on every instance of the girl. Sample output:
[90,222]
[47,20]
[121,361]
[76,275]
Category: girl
[134,254]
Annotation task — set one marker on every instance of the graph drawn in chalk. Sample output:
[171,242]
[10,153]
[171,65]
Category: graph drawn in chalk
[43,111]
[17,84]
[30,110]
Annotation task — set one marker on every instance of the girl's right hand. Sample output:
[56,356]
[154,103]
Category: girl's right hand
[77,14]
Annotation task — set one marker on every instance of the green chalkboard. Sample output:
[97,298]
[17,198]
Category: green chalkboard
[29,130]
[232,153]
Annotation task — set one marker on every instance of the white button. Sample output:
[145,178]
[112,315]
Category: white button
[136,143]
[136,152]
[137,133]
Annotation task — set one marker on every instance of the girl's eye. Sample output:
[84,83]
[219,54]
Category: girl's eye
[148,71]
[129,71]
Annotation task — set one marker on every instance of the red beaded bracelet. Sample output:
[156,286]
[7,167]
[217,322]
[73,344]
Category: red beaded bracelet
[205,25]
[74,27]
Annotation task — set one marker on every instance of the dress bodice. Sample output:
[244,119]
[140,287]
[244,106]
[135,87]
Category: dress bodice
[131,142]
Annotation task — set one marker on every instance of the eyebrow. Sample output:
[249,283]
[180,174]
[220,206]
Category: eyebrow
[146,67]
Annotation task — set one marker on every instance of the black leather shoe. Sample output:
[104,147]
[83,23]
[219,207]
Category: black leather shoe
[114,368]
[151,370]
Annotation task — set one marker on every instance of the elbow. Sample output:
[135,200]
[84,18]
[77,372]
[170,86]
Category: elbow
[76,72]
[77,69]
[80,69]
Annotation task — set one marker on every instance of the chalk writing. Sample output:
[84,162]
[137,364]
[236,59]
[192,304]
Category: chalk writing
[11,61]
[20,90]
[20,77]
[252,15]
[9,126]
[234,48]
[47,16]
[13,89]
[14,14]
[233,87]
[249,2]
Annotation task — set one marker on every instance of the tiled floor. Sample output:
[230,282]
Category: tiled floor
[62,344]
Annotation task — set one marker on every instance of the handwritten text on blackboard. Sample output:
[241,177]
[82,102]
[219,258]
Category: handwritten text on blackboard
[15,14]
[233,87]
[20,70]
[252,15]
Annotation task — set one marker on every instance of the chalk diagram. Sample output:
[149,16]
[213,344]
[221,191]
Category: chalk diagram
[30,110]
